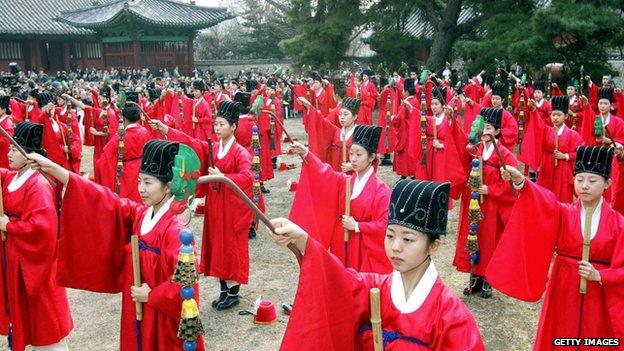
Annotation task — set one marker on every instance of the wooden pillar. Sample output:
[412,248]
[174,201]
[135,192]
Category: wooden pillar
[103,52]
[190,53]
[83,54]
[136,50]
[36,54]
[66,54]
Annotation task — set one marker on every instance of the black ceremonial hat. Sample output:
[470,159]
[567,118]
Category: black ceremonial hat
[243,97]
[420,205]
[158,159]
[493,116]
[4,103]
[606,93]
[539,85]
[560,103]
[199,85]
[230,111]
[499,89]
[29,136]
[594,159]
[132,96]
[154,93]
[367,137]
[251,85]
[439,94]
[351,104]
[44,98]
[409,86]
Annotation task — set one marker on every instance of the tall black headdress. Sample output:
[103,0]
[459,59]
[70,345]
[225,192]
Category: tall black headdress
[352,105]
[230,111]
[539,85]
[367,137]
[30,136]
[499,89]
[606,93]
[420,205]
[594,159]
[560,103]
[409,85]
[439,94]
[493,116]
[158,159]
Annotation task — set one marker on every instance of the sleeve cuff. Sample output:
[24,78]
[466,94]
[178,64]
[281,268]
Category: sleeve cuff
[357,227]
[519,185]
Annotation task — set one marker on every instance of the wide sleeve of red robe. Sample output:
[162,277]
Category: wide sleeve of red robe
[532,148]
[520,266]
[332,305]
[509,131]
[320,133]
[7,124]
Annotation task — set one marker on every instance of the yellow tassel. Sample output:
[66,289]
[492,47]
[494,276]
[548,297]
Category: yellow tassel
[256,159]
[474,211]
[189,309]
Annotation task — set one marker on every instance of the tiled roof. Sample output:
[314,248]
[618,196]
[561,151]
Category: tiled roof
[166,13]
[36,17]
[79,17]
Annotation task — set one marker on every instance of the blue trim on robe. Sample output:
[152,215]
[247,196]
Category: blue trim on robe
[391,335]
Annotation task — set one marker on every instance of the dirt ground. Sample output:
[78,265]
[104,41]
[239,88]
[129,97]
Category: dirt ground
[505,323]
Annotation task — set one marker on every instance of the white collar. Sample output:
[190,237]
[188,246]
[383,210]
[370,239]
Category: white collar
[55,125]
[595,219]
[605,121]
[223,150]
[199,100]
[131,125]
[418,296]
[318,92]
[3,118]
[359,183]
[573,99]
[219,96]
[561,129]
[438,119]
[268,102]
[63,110]
[19,180]
[487,151]
[539,103]
[150,222]
[30,107]
[349,133]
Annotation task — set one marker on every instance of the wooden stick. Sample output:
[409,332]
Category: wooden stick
[502,161]
[136,269]
[556,145]
[227,181]
[589,212]
[375,306]
[140,109]
[23,152]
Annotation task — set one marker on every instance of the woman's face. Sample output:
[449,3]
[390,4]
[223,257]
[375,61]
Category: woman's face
[152,190]
[497,101]
[406,248]
[16,159]
[359,158]
[604,106]
[589,187]
[346,118]
[223,129]
[557,117]
[489,129]
[436,107]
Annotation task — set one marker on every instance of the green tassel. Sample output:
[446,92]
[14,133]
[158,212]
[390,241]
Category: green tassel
[185,273]
[190,328]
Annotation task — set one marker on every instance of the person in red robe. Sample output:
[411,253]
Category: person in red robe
[368,98]
[538,227]
[134,138]
[95,253]
[577,104]
[225,249]
[273,103]
[594,90]
[200,113]
[67,115]
[418,312]
[404,163]
[557,143]
[368,203]
[7,124]
[27,110]
[389,101]
[34,309]
[497,201]
[325,139]
[540,105]
[54,132]
[101,124]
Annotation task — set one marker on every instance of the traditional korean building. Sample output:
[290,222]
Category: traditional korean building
[64,34]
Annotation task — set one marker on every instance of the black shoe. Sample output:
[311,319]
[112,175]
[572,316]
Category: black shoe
[533,176]
[252,233]
[221,298]
[287,308]
[486,289]
[229,302]
[386,160]
[475,285]
[264,190]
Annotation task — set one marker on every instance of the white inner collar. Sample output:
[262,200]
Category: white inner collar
[3,118]
[420,293]
[359,183]
[131,125]
[439,119]
[487,151]
[606,120]
[55,125]
[149,221]
[19,180]
[595,219]
[349,133]
[539,103]
[199,100]
[223,150]
[560,129]
[572,99]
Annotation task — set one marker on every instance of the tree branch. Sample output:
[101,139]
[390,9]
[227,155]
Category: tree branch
[278,6]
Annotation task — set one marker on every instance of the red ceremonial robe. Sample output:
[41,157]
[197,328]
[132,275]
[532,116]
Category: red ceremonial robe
[69,118]
[21,111]
[368,98]
[509,126]
[55,139]
[7,124]
[559,179]
[135,138]
[404,163]
[319,204]
[388,107]
[225,246]
[103,263]
[268,142]
[496,207]
[544,109]
[199,109]
[38,307]
[94,117]
[325,139]
[574,119]
[332,310]
[539,226]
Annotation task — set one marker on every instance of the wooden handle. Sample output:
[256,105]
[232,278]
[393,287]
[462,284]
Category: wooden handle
[136,269]
[2,233]
[556,146]
[375,306]
[589,212]
[347,211]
